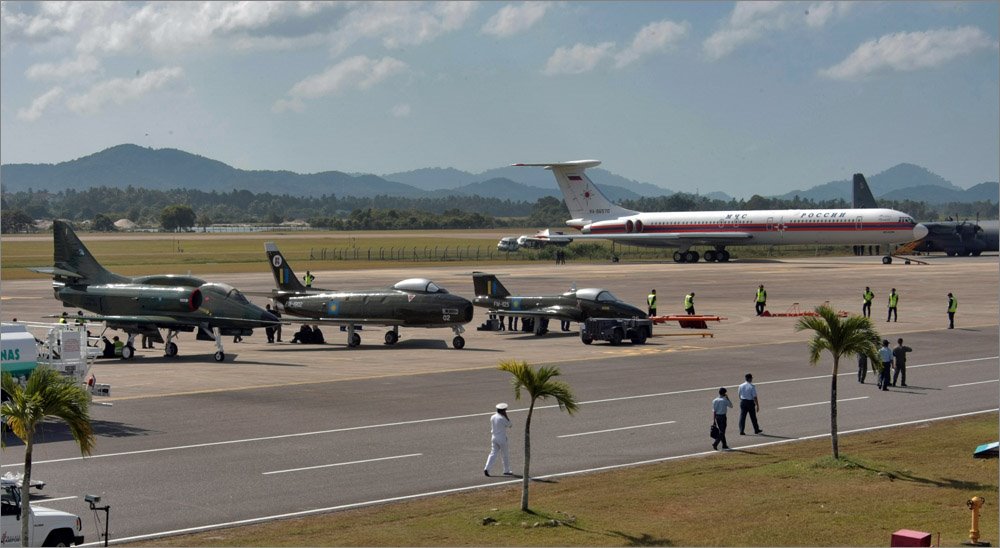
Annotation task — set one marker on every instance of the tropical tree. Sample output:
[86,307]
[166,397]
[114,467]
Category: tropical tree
[46,394]
[539,384]
[848,337]
[177,216]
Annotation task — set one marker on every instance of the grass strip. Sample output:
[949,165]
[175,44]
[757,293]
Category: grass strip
[914,477]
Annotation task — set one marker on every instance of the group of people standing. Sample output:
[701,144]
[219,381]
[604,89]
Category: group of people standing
[651,303]
[892,359]
[749,405]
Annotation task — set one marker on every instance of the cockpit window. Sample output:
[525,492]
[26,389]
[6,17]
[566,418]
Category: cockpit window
[422,285]
[225,289]
[606,296]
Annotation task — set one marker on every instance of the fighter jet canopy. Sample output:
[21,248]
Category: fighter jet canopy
[227,290]
[595,294]
[419,285]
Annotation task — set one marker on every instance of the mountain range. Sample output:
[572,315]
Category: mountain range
[164,169]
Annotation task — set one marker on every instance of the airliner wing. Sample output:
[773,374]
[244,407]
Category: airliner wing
[672,238]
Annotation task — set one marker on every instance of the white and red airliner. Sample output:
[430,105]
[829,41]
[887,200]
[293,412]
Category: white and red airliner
[597,218]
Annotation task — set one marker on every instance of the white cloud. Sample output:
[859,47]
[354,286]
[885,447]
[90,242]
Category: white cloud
[39,105]
[399,24]
[752,21]
[65,70]
[577,59]
[401,110]
[514,18]
[907,51]
[122,90]
[652,38]
[359,72]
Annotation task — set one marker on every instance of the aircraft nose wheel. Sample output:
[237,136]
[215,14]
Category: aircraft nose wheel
[220,356]
[170,350]
[128,352]
[355,340]
[391,337]
[458,342]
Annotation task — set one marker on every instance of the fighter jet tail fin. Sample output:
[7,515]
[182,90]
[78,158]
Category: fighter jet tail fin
[863,198]
[284,277]
[487,285]
[73,262]
[586,202]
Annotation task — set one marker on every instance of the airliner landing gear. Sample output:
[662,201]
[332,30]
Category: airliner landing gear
[719,254]
[458,342]
[392,337]
[887,260]
[687,256]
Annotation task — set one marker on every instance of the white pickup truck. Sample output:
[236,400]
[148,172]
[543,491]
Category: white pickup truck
[47,527]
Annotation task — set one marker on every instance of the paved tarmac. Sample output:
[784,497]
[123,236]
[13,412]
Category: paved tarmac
[281,428]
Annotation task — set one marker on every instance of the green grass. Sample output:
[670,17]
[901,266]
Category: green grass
[795,494]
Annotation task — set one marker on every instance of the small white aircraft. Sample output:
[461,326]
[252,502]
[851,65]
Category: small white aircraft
[597,218]
[541,239]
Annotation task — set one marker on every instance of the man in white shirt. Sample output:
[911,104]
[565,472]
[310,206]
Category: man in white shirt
[749,405]
[719,407]
[499,423]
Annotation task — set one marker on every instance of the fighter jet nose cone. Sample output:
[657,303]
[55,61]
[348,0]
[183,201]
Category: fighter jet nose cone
[268,317]
[920,232]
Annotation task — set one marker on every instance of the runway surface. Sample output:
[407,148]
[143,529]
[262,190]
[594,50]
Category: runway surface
[283,429]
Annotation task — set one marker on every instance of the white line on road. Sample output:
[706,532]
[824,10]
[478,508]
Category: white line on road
[262,519]
[615,429]
[820,403]
[46,501]
[971,383]
[342,464]
[454,417]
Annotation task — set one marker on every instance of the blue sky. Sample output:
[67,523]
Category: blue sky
[758,97]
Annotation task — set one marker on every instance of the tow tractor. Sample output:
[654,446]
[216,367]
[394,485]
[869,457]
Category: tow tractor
[616,330]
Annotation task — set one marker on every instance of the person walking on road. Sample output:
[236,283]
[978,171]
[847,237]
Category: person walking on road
[749,404]
[893,301]
[651,301]
[885,356]
[719,407]
[866,308]
[899,355]
[952,308]
[862,367]
[689,303]
[761,300]
[499,423]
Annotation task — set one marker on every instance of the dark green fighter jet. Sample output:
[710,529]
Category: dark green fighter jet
[415,302]
[576,305]
[146,304]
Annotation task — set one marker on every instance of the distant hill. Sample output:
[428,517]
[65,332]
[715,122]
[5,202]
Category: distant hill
[164,169]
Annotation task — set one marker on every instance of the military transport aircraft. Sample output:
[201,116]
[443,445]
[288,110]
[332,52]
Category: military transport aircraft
[576,305]
[415,302]
[146,304]
[597,218]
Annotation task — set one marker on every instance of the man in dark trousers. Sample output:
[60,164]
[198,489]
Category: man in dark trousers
[899,355]
[749,404]
[893,302]
[952,308]
[761,299]
[689,303]
[651,301]
[862,367]
[719,407]
[866,307]
[885,356]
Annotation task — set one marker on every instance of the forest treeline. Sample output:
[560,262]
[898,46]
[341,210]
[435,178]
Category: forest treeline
[183,208]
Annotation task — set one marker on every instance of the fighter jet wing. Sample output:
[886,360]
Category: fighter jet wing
[341,321]
[133,322]
[555,312]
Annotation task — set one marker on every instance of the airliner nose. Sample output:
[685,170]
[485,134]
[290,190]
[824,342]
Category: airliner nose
[920,232]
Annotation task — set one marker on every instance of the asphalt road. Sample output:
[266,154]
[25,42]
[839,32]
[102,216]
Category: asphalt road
[285,429]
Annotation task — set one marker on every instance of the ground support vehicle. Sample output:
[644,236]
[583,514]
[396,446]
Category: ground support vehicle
[616,330]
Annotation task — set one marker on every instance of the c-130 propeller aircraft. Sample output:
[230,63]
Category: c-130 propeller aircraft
[146,304]
[414,302]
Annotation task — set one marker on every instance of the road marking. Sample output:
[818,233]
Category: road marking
[43,500]
[401,498]
[454,417]
[820,403]
[341,464]
[971,383]
[615,429]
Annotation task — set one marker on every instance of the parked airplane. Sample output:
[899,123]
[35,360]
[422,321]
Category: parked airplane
[597,218]
[541,239]
[146,304]
[414,302]
[576,305]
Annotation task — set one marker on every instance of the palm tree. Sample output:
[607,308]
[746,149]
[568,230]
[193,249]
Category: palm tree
[850,337]
[46,394]
[539,385]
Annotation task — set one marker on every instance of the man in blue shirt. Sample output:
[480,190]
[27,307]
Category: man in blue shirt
[719,407]
[749,405]
[885,356]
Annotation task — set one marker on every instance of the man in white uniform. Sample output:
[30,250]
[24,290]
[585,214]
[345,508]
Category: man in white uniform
[499,423]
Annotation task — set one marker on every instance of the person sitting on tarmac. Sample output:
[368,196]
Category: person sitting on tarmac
[317,336]
[303,335]
[119,345]
[109,348]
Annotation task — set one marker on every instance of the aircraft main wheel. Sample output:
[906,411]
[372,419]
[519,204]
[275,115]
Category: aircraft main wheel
[950,253]
[691,257]
[678,257]
[886,260]
[220,356]
[710,256]
[170,350]
[391,337]
[128,352]
[355,340]
[723,256]
[586,339]
[458,342]
[616,337]
[976,253]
